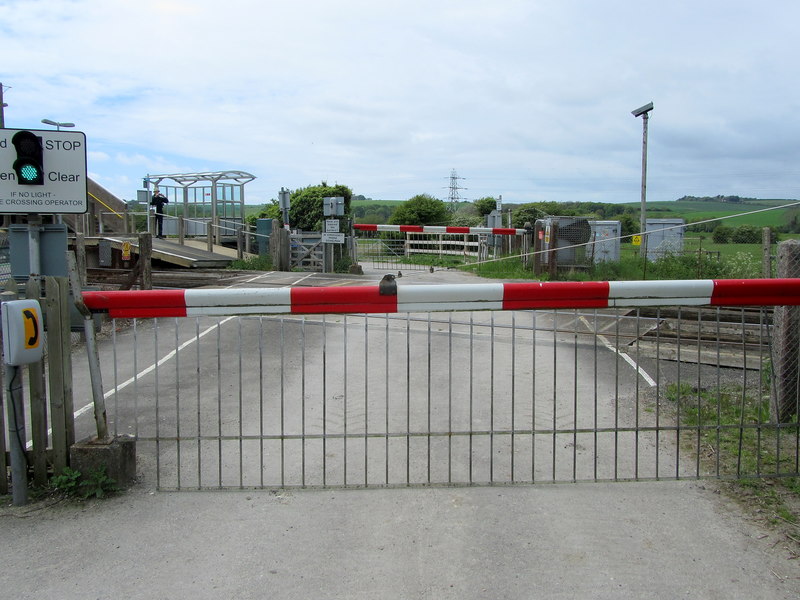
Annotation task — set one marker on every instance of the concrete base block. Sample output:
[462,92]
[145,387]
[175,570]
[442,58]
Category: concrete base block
[117,456]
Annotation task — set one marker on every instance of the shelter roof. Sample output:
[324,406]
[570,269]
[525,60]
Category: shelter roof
[213,177]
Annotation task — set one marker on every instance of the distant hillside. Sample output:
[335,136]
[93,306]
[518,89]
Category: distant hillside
[702,209]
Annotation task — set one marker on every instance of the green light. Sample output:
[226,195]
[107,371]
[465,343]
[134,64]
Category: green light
[29,172]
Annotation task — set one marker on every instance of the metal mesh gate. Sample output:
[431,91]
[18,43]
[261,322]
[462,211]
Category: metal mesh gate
[450,398]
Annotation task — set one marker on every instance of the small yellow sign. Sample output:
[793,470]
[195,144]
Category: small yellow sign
[636,240]
[126,250]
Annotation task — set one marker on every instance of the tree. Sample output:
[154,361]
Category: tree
[305,211]
[746,234]
[722,234]
[485,205]
[422,209]
[268,211]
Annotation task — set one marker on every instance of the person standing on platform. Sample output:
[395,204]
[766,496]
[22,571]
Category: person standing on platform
[159,200]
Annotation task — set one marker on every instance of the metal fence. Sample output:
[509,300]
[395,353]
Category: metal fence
[465,398]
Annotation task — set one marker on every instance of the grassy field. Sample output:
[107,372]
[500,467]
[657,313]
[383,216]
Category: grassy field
[694,210]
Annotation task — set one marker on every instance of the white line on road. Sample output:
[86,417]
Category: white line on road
[650,381]
[152,367]
[86,408]
[302,279]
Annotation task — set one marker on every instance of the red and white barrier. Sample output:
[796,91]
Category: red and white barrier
[440,229]
[423,298]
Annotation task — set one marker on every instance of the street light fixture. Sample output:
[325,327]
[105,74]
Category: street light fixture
[643,111]
[57,124]
[2,107]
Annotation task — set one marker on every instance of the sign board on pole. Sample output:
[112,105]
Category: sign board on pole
[332,238]
[333,206]
[62,189]
[331,225]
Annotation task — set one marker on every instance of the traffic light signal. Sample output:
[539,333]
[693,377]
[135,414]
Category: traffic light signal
[29,165]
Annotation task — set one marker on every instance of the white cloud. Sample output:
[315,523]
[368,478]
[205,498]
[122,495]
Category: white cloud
[529,99]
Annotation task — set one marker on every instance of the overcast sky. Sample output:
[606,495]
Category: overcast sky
[527,99]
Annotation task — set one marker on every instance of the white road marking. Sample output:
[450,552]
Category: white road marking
[650,381]
[170,355]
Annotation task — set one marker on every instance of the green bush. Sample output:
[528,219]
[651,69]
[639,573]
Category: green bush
[71,483]
[252,263]
[722,234]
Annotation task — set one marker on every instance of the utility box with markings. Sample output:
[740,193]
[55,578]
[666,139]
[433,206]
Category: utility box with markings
[605,241]
[333,206]
[52,251]
[664,237]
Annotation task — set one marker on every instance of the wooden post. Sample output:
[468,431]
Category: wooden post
[181,230]
[9,293]
[552,253]
[59,359]
[240,243]
[279,247]
[526,245]
[766,252]
[784,395]
[538,232]
[80,257]
[38,400]
[209,237]
[145,258]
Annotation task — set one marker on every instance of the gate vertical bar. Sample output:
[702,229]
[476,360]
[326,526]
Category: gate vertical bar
[199,413]
[408,399]
[575,397]
[555,394]
[283,403]
[513,389]
[636,423]
[178,402]
[324,401]
[241,399]
[471,392]
[386,401]
[302,402]
[261,398]
[157,407]
[679,416]
[219,405]
[658,393]
[428,396]
[366,400]
[344,400]
[450,398]
[533,396]
[617,344]
[491,397]
[595,413]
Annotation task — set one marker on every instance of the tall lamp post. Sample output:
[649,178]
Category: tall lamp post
[2,108]
[57,124]
[643,111]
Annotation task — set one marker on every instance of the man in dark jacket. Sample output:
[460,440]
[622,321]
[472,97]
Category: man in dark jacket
[159,200]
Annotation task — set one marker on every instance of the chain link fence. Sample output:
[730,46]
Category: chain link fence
[719,248]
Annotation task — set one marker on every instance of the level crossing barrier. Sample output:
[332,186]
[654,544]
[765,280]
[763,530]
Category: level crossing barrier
[417,298]
[511,383]
[439,229]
